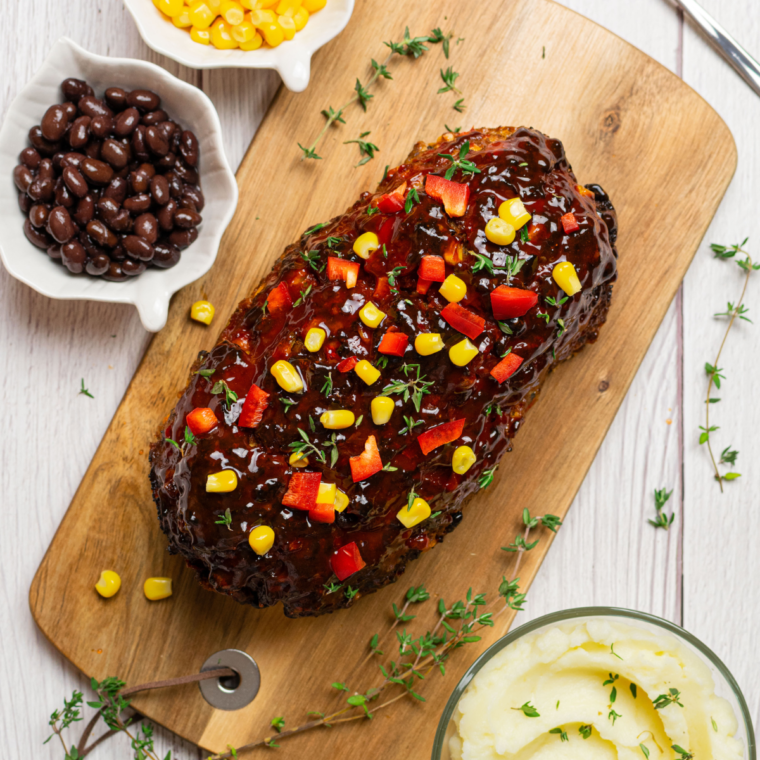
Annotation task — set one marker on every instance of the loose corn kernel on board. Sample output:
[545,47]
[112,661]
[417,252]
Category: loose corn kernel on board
[626,123]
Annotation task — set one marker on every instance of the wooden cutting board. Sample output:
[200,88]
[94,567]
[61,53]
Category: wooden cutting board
[665,158]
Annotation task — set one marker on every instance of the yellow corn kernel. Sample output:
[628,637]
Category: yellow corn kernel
[341,501]
[261,539]
[203,36]
[232,12]
[426,344]
[513,212]
[108,584]
[202,311]
[371,315]
[288,26]
[259,4]
[326,494]
[298,459]
[243,32]
[500,232]
[287,6]
[287,376]
[221,482]
[382,409]
[463,352]
[464,458]
[157,588]
[365,244]
[566,277]
[273,33]
[182,21]
[201,15]
[367,372]
[337,419]
[301,18]
[215,5]
[414,515]
[453,289]
[261,17]
[253,44]
[314,5]
[171,8]
[314,339]
[221,35]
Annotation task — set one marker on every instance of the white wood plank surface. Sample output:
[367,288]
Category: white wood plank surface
[701,574]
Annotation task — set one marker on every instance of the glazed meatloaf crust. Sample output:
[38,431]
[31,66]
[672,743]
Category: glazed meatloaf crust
[504,321]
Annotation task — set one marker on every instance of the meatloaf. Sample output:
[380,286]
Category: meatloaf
[427,316]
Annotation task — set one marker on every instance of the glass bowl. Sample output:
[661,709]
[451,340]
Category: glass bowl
[725,684]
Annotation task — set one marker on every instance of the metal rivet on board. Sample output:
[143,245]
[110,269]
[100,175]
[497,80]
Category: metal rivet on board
[231,692]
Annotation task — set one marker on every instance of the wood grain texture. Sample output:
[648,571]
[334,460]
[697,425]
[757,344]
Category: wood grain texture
[624,122]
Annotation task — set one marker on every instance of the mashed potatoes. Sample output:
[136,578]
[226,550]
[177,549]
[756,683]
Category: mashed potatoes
[562,694]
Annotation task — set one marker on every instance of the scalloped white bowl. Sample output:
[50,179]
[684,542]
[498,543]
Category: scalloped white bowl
[291,60]
[152,290]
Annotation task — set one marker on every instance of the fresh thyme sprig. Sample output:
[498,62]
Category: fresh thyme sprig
[366,148]
[673,697]
[225,519]
[190,440]
[449,77]
[661,497]
[84,392]
[410,46]
[414,388]
[468,168]
[713,371]
[230,397]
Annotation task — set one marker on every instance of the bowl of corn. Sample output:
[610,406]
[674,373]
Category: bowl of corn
[260,34]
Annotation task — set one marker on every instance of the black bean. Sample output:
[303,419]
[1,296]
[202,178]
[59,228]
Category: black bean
[138,248]
[188,147]
[176,185]
[156,141]
[38,214]
[116,98]
[24,203]
[101,126]
[36,237]
[75,181]
[165,256]
[63,196]
[97,172]
[57,160]
[122,222]
[101,234]
[185,218]
[133,268]
[43,145]
[159,189]
[185,173]
[92,248]
[54,251]
[166,215]
[92,106]
[41,189]
[168,128]
[114,153]
[146,226]
[72,159]
[85,210]
[126,121]
[54,122]
[167,161]
[75,89]
[139,180]
[114,273]
[45,170]
[60,225]
[118,253]
[183,238]
[30,157]
[139,148]
[149,169]
[145,100]
[107,208]
[154,117]
[23,177]
[73,256]
[79,133]
[137,204]
[70,108]
[117,190]
[98,265]
[92,149]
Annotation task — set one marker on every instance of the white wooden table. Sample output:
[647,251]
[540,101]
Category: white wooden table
[703,574]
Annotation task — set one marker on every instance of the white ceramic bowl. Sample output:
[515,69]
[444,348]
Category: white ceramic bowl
[152,290]
[291,60]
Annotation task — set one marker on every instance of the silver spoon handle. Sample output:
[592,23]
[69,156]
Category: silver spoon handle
[733,52]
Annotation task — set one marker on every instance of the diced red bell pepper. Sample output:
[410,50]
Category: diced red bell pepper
[368,462]
[508,303]
[382,289]
[201,420]
[347,364]
[585,191]
[385,230]
[454,195]
[506,367]
[437,436]
[324,513]
[423,285]
[254,407]
[303,489]
[391,202]
[346,561]
[570,223]
[463,320]
[279,299]
[432,268]
[394,343]
[340,269]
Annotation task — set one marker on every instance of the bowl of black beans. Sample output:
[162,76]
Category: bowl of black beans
[115,172]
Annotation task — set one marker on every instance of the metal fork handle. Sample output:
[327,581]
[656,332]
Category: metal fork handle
[732,51]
